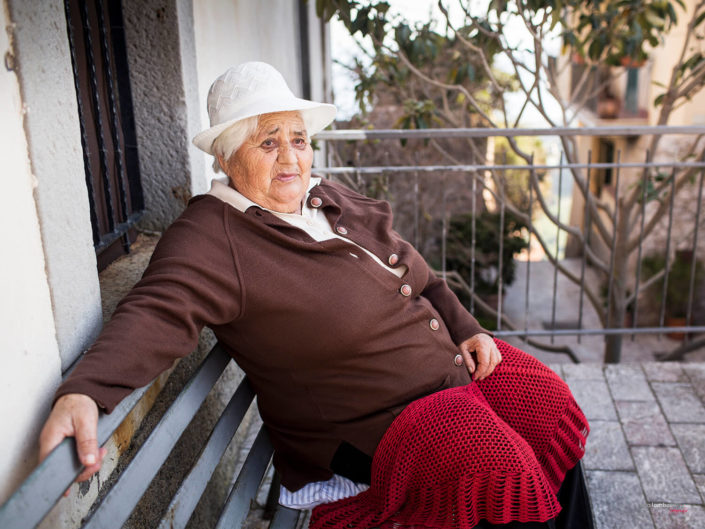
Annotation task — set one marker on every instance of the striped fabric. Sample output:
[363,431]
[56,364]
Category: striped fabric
[313,494]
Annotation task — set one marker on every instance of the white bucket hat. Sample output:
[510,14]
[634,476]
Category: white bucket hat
[254,88]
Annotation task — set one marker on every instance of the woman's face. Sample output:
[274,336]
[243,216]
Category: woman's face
[273,167]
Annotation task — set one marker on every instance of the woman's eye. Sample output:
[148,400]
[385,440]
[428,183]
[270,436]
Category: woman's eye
[300,142]
[268,143]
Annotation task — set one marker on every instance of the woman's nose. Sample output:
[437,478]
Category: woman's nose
[286,153]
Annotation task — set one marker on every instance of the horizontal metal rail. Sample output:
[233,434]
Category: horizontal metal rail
[191,489]
[117,505]
[120,230]
[488,167]
[33,500]
[600,332]
[389,134]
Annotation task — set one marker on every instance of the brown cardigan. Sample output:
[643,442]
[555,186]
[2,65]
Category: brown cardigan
[331,343]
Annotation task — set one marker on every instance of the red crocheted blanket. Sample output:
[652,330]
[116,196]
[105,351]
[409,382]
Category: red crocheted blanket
[496,450]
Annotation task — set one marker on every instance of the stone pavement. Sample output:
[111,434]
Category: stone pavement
[538,314]
[645,458]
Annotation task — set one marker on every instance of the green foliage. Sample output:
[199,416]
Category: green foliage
[516,181]
[440,55]
[651,188]
[598,32]
[417,115]
[487,237]
[678,281]
[618,32]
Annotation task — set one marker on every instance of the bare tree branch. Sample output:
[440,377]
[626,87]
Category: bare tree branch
[454,279]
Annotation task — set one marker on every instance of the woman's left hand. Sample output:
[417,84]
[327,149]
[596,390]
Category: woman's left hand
[481,355]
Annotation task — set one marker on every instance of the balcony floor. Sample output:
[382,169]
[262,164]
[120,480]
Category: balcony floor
[645,458]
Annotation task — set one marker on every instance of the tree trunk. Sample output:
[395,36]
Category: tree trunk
[618,305]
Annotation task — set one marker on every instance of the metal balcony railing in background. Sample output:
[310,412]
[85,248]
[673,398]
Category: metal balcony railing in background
[625,208]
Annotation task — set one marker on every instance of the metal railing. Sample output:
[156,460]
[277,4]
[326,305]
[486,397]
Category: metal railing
[623,213]
[108,136]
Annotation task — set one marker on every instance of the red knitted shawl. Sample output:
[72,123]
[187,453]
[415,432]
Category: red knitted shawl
[496,450]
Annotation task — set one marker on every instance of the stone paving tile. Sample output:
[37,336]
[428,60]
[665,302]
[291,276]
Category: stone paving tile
[617,500]
[594,399]
[679,402]
[606,448]
[696,372]
[557,369]
[678,516]
[628,382]
[664,475]
[691,440]
[590,371]
[664,372]
[700,483]
[644,424]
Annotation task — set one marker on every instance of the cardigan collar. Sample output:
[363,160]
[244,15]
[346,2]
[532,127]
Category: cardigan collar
[230,195]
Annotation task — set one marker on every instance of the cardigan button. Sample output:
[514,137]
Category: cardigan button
[434,324]
[458,360]
[342,230]
[405,290]
[316,202]
[393,259]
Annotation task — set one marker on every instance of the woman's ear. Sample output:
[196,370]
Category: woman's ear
[219,158]
[225,165]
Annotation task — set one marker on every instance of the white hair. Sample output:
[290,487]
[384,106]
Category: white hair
[231,139]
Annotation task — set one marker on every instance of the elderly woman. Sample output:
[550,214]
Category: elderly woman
[367,368]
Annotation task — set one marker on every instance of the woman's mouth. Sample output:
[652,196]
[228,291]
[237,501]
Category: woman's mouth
[287,177]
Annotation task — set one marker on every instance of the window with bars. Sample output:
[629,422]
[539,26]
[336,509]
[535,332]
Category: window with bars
[101,76]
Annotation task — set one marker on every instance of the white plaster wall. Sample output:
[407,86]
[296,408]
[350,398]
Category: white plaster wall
[664,60]
[231,32]
[191,95]
[53,135]
[320,56]
[31,366]
[321,68]
[161,59]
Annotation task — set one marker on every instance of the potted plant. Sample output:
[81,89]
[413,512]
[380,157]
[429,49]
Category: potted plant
[487,236]
[678,288]
[608,105]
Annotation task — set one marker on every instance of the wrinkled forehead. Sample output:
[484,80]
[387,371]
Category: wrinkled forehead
[291,122]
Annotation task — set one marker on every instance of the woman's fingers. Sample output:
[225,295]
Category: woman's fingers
[484,360]
[90,470]
[467,357]
[486,355]
[86,433]
[74,415]
[491,358]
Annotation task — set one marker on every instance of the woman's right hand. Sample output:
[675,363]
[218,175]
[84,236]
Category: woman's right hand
[74,415]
